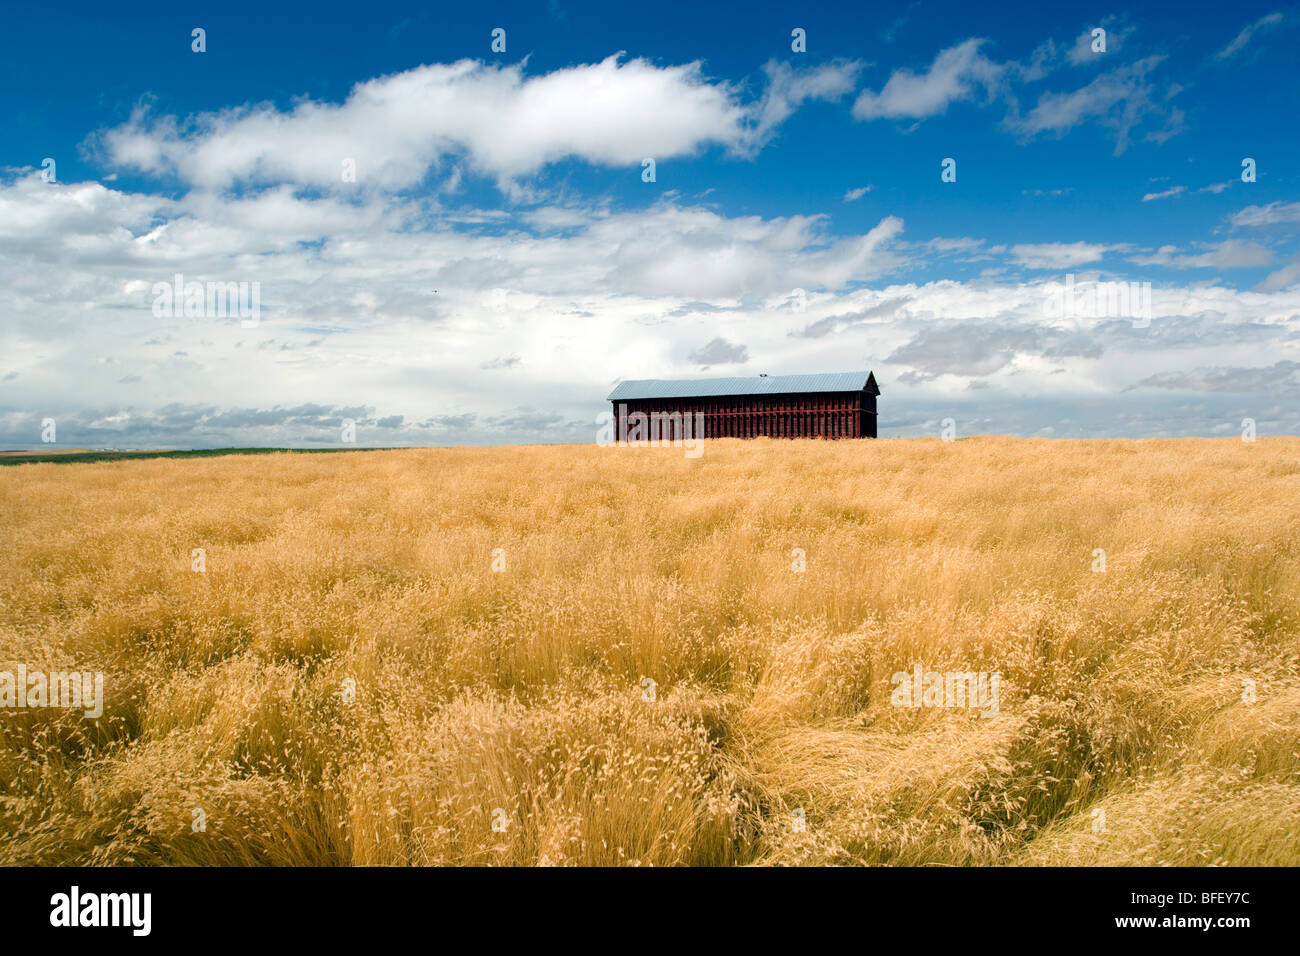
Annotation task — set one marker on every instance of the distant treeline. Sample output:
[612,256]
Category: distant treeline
[81,457]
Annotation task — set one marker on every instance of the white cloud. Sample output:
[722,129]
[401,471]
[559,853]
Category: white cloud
[44,211]
[956,74]
[1172,191]
[719,352]
[1229,254]
[1283,278]
[1247,32]
[1121,98]
[853,195]
[1117,31]
[788,89]
[502,122]
[361,310]
[1272,214]
[698,253]
[1057,255]
[961,244]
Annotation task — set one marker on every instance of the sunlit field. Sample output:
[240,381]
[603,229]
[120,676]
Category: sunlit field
[624,656]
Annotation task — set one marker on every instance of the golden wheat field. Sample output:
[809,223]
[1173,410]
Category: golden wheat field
[606,656]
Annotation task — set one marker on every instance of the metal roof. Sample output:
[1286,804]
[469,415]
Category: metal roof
[757,385]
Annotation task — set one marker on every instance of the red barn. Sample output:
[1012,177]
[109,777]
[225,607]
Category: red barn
[834,405]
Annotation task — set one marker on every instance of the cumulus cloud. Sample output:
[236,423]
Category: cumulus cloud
[719,352]
[698,253]
[585,291]
[841,321]
[498,120]
[983,347]
[580,303]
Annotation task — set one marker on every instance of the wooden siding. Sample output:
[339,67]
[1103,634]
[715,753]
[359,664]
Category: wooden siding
[805,415]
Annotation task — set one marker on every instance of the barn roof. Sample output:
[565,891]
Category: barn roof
[756,385]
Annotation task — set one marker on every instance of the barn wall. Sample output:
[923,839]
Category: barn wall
[815,415]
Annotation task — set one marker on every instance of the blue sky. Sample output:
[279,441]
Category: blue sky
[498,260]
